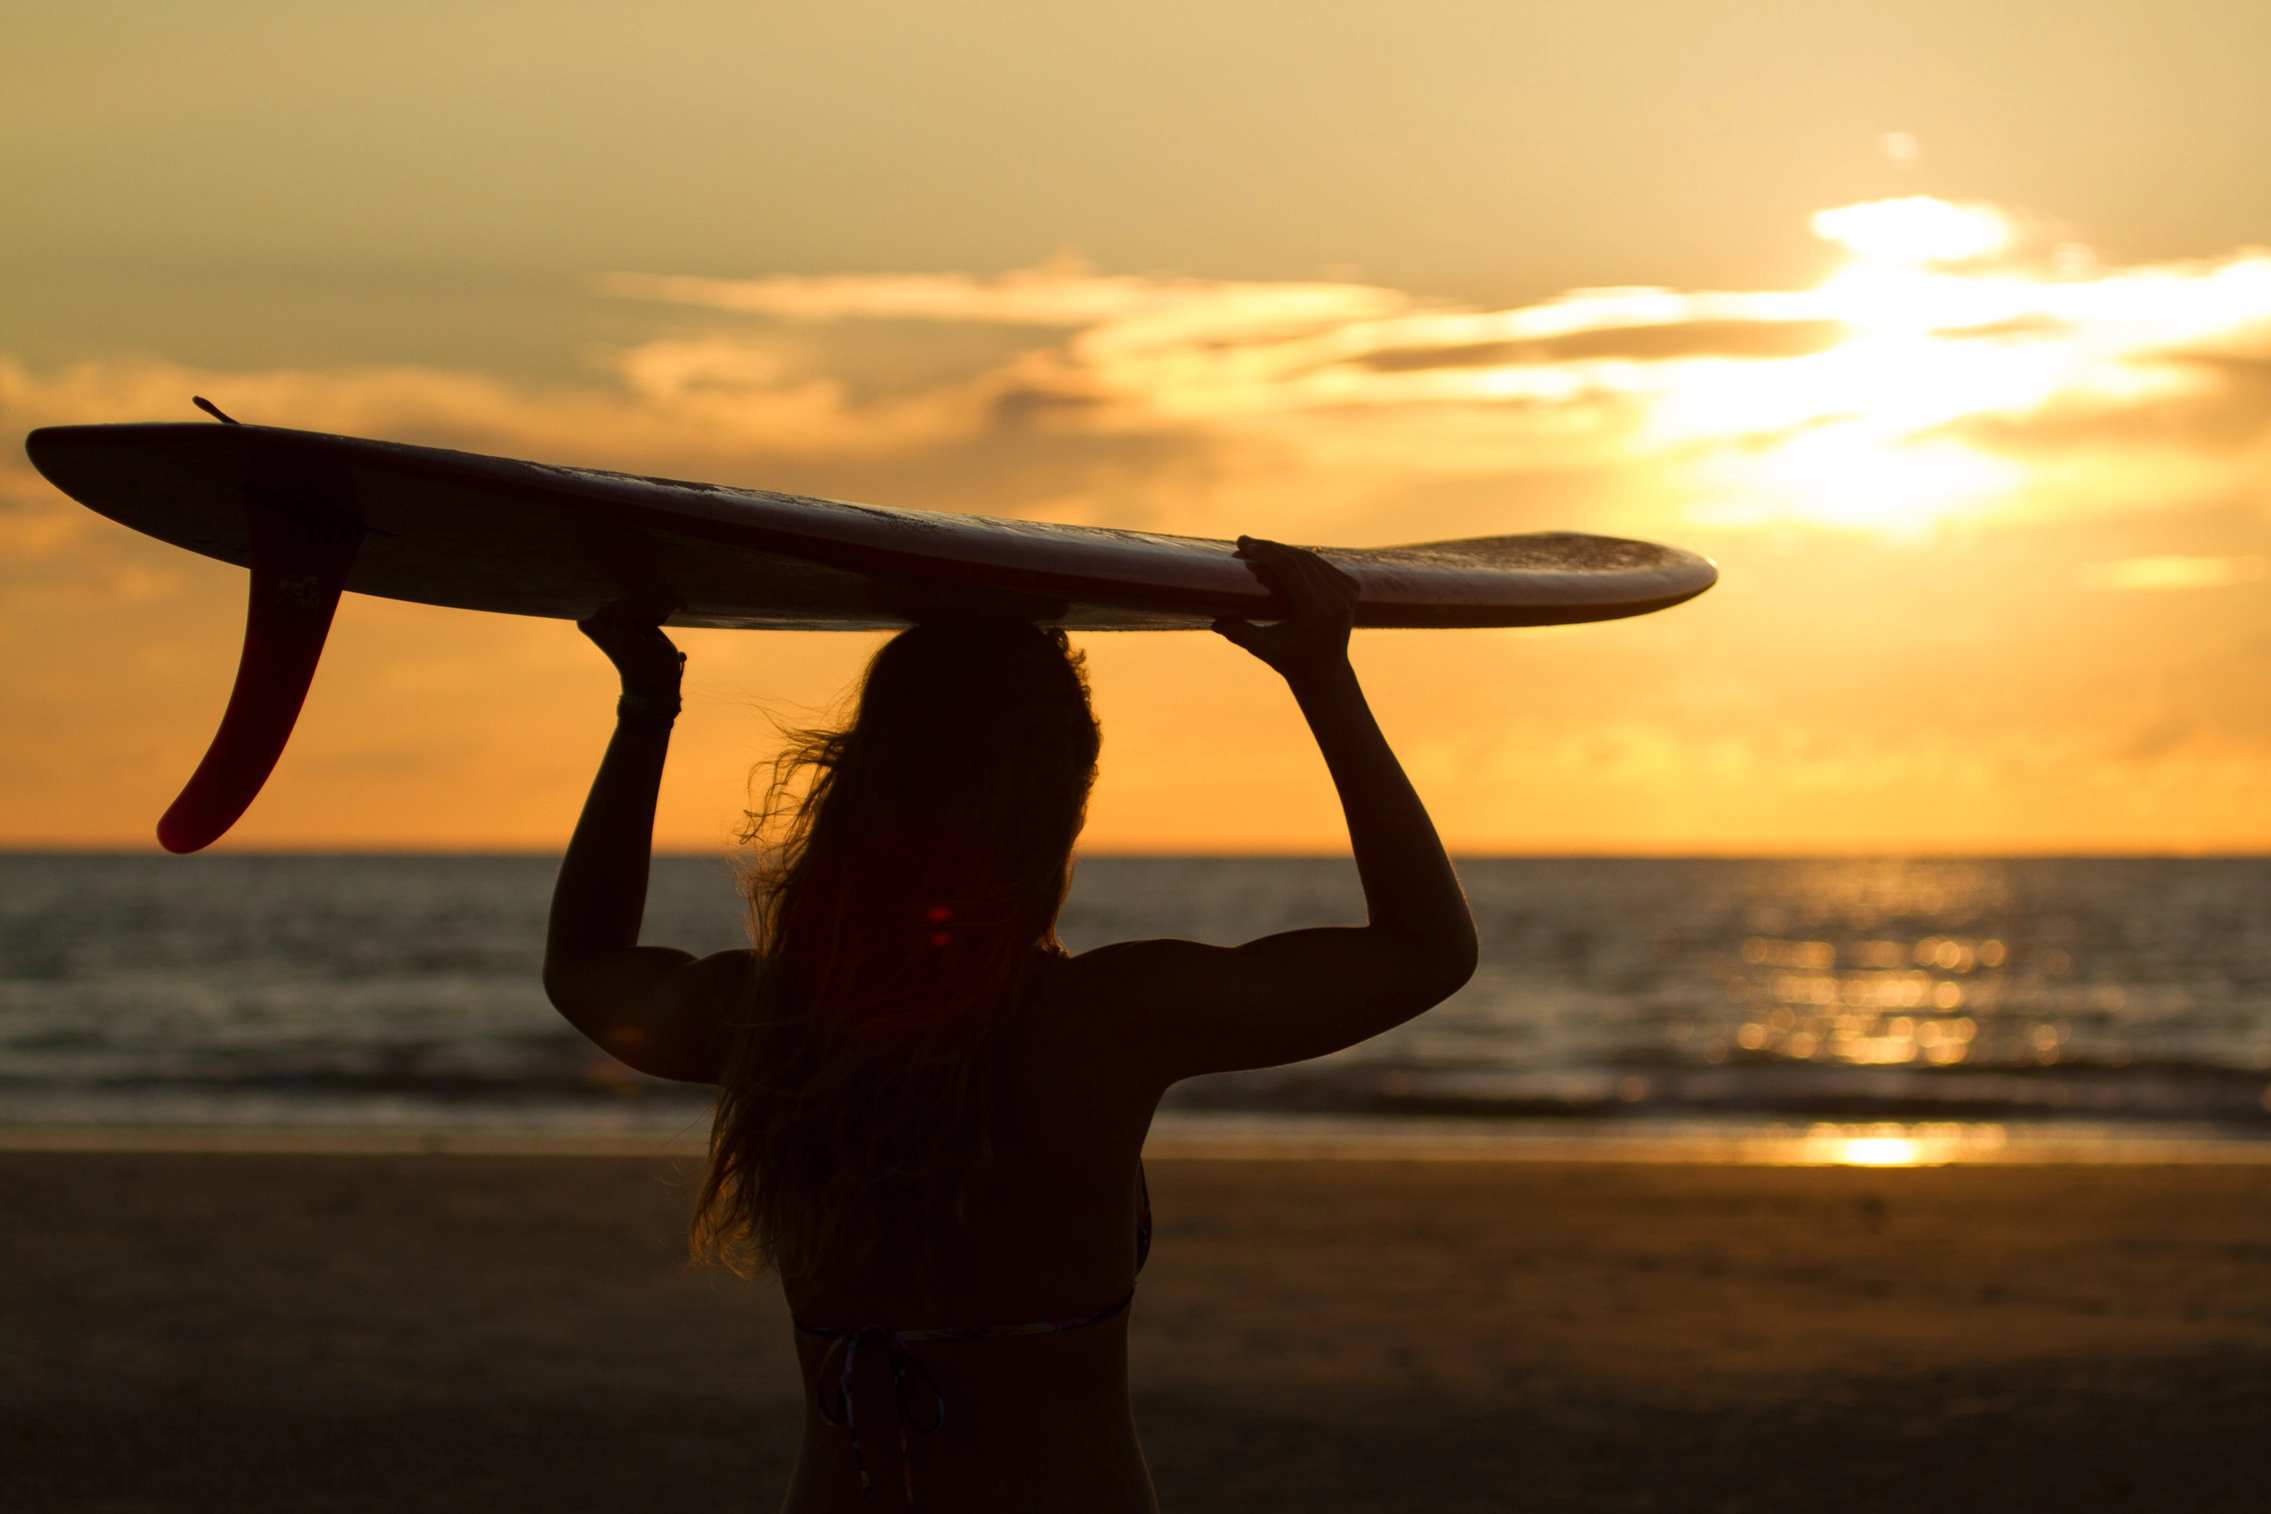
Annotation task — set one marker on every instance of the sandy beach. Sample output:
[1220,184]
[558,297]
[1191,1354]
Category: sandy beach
[195,1331]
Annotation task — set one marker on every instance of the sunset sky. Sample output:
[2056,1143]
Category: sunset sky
[1945,328]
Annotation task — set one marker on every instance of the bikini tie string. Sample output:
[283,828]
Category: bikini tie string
[909,1377]
[908,1374]
[907,1370]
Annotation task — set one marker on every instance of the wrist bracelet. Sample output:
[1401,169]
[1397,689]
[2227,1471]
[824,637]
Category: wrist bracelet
[641,708]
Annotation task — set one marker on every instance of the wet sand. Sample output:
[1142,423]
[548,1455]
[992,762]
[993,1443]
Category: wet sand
[259,1332]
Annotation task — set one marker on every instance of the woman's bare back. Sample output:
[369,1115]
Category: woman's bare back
[1050,1237]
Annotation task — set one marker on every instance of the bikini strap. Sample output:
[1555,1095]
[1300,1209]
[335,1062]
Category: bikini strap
[1143,1216]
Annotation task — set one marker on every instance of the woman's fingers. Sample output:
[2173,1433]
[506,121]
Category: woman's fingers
[1320,609]
[1240,632]
[640,607]
[1282,569]
[631,621]
[619,640]
[1258,555]
[1311,585]
[1322,589]
[637,646]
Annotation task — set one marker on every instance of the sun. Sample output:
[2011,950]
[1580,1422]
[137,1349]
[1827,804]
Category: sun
[1917,230]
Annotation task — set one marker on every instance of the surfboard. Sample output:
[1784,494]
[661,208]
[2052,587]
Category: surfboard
[313,515]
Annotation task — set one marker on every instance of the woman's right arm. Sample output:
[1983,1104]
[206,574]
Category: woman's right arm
[657,1009]
[1304,993]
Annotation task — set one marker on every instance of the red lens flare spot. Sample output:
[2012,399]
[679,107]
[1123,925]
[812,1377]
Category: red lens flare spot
[938,914]
[939,938]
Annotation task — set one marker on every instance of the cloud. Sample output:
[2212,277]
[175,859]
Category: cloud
[1062,294]
[1895,397]
[1755,339]
[2170,572]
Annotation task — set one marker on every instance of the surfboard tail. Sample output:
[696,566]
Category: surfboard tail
[300,560]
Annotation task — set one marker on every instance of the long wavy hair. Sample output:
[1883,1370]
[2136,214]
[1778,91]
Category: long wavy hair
[906,873]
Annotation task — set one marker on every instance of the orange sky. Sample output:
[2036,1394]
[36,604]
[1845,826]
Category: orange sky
[1942,333]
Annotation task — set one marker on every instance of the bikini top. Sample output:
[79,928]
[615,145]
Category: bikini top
[908,1374]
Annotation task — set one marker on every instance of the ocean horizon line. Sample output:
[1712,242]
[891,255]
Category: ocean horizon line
[38,849]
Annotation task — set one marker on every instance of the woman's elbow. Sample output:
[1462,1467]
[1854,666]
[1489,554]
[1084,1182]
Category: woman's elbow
[1457,968]
[1440,968]
[567,989]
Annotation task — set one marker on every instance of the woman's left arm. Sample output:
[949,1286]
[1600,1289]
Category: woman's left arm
[654,1008]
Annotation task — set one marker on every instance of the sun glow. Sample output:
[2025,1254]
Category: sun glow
[1880,1151]
[1948,370]
[1864,403]
[1918,229]
[2170,572]
[1888,1144]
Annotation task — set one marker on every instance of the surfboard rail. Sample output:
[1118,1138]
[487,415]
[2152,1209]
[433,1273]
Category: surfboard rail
[317,515]
[487,533]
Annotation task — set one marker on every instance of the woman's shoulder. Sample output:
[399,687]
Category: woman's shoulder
[1112,995]
[1080,1042]
[1119,969]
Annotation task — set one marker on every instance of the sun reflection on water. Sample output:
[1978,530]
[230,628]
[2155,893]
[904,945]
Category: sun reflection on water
[1880,1151]
[1830,976]
[1928,1144]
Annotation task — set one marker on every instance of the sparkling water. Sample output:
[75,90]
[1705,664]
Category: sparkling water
[403,990]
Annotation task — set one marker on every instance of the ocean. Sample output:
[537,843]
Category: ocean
[1614,995]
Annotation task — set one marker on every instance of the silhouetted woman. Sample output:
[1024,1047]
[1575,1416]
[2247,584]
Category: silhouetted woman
[930,1117]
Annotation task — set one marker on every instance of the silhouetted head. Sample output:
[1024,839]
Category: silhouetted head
[910,867]
[937,831]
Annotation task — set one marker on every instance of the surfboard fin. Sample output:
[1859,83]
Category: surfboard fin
[300,559]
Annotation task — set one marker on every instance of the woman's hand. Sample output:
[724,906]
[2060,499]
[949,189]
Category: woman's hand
[1321,609]
[632,638]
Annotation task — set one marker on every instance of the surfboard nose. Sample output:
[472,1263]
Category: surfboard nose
[300,560]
